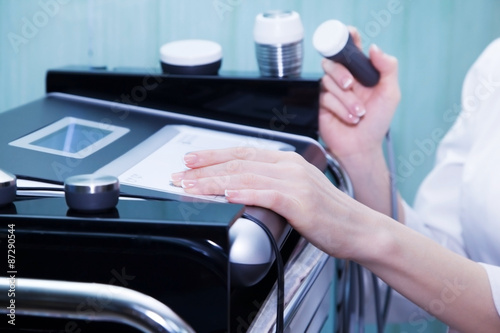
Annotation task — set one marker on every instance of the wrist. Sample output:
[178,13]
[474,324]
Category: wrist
[370,179]
[360,160]
[368,172]
[375,241]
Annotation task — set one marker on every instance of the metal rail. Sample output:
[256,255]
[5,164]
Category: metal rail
[62,299]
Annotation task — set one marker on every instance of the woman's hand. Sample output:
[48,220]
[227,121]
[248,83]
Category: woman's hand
[285,183]
[354,119]
[281,181]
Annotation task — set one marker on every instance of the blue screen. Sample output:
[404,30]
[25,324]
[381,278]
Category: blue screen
[72,138]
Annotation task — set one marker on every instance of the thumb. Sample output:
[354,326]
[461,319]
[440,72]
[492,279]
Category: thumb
[385,63]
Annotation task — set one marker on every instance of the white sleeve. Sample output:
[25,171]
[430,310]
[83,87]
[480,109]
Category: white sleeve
[436,210]
[494,277]
[437,207]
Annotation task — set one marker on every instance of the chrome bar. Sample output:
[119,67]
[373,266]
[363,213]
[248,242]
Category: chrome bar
[341,176]
[62,299]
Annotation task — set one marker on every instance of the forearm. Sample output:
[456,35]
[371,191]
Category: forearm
[450,287]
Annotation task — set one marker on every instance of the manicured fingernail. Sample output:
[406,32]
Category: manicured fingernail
[177,177]
[190,159]
[231,193]
[360,112]
[346,83]
[353,119]
[188,183]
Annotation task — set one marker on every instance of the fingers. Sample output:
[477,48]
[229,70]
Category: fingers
[214,171]
[218,185]
[221,172]
[339,99]
[341,76]
[347,99]
[385,63]
[332,104]
[221,164]
[218,156]
[250,189]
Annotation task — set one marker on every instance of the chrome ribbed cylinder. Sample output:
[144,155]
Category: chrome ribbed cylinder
[278,37]
[280,60]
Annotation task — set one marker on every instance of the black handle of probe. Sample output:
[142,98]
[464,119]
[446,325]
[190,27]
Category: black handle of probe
[357,63]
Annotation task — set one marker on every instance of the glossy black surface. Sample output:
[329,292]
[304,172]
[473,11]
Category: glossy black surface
[153,218]
[153,247]
[281,104]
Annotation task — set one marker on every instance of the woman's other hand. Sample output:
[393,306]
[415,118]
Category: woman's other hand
[354,119]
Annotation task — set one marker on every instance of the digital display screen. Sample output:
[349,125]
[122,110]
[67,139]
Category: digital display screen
[72,138]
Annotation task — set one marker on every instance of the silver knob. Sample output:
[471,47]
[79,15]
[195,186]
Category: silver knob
[92,193]
[8,187]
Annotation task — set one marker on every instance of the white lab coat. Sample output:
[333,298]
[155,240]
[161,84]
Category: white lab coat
[458,204]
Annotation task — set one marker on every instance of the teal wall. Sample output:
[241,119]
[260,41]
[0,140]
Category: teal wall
[436,41]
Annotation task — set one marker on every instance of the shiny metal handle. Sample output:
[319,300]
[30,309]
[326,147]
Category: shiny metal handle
[61,299]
